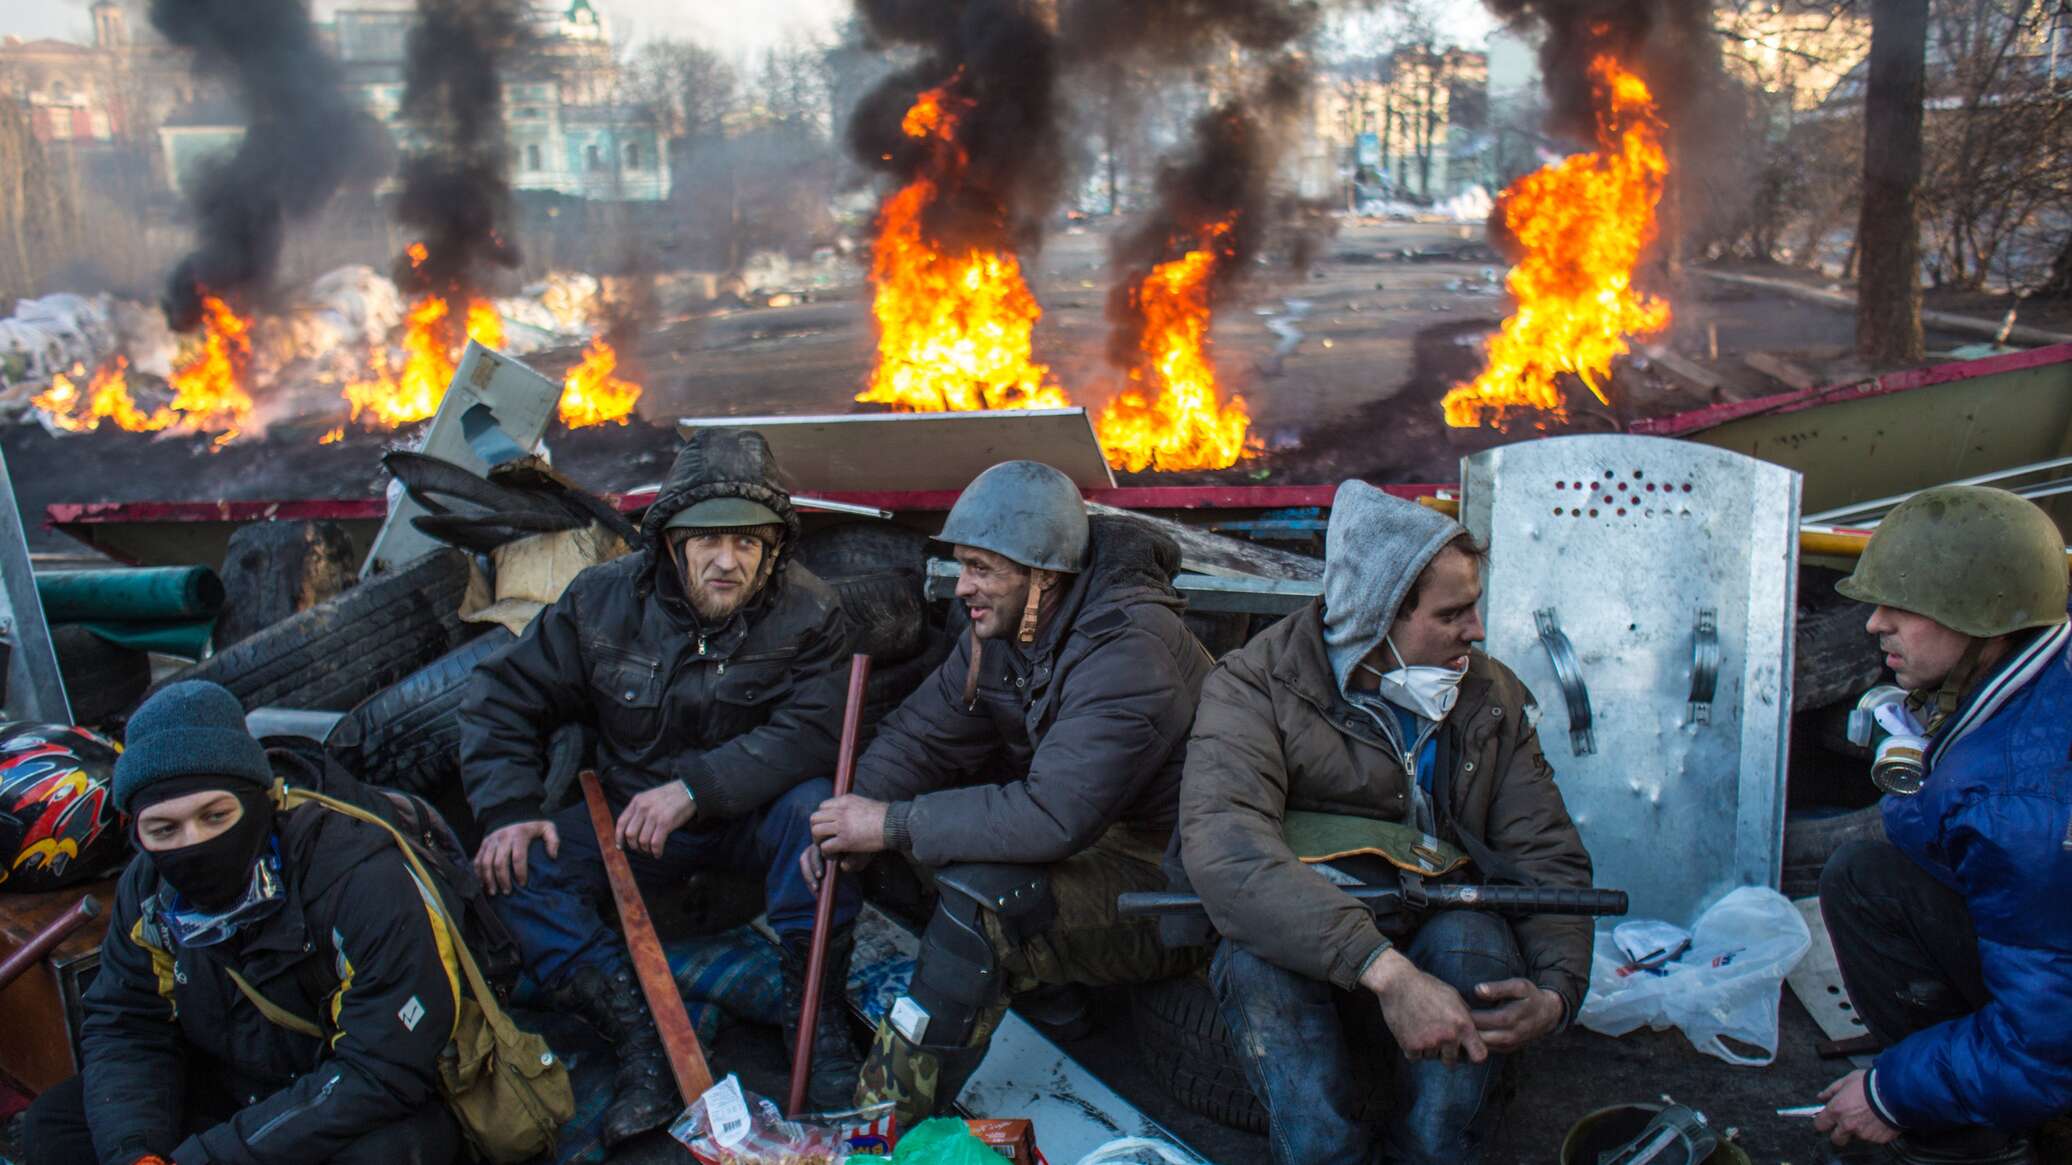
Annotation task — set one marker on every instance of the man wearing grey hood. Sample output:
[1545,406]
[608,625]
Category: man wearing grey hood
[1374,705]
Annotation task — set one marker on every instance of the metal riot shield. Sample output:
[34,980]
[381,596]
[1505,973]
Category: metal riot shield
[1644,589]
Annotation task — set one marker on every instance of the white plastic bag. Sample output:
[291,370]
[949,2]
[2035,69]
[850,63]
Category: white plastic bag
[1136,1151]
[1727,983]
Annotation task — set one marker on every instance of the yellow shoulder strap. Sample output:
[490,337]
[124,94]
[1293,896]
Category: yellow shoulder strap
[485,998]
[275,1011]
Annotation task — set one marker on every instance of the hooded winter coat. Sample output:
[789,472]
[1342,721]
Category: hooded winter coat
[1276,732]
[354,948]
[1994,823]
[1078,731]
[740,710]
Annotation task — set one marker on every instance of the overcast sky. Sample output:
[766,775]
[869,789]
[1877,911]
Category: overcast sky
[772,22]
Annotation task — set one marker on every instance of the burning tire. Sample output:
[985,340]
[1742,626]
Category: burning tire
[407,736]
[1833,657]
[346,648]
[103,681]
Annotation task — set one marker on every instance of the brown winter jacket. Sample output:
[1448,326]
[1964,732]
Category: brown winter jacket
[1274,734]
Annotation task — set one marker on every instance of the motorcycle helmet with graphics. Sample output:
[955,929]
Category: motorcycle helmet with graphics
[58,824]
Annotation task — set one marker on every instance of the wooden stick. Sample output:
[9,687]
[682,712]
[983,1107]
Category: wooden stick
[824,910]
[46,940]
[650,965]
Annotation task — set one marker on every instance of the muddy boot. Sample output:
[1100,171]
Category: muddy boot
[644,1091]
[921,1080]
[832,1080]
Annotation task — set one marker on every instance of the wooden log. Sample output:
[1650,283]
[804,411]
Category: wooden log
[1782,370]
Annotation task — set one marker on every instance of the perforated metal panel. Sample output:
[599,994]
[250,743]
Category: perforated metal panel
[1659,576]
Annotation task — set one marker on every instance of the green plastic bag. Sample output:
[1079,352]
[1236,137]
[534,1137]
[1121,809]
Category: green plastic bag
[943,1141]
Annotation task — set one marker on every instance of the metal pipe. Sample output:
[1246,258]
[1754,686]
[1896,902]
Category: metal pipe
[650,965]
[46,940]
[834,507]
[824,909]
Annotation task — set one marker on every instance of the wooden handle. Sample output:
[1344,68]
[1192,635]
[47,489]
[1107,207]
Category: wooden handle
[650,965]
[824,909]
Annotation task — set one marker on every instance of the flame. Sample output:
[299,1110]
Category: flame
[954,322]
[333,436]
[431,349]
[107,398]
[1583,223]
[1184,422]
[592,393]
[208,391]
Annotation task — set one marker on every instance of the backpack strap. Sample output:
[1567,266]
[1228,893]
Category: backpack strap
[485,998]
[274,1011]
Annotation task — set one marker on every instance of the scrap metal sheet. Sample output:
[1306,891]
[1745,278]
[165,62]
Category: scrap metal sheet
[1661,575]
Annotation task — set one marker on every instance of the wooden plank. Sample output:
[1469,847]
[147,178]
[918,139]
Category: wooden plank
[864,452]
[1213,554]
[1779,369]
[1693,374]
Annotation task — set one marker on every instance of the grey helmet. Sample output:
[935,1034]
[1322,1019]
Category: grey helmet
[1024,511]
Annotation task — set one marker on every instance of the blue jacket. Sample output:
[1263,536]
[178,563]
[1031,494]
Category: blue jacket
[1994,823]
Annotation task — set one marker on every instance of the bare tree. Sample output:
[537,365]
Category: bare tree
[36,219]
[692,89]
[1888,307]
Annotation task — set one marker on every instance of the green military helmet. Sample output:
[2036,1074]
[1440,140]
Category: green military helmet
[723,514]
[1980,561]
[1024,511]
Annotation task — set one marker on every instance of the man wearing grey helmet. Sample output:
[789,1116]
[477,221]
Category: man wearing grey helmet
[1034,777]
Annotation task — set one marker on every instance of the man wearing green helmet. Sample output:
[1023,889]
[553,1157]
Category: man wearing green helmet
[1952,934]
[709,667]
[1034,777]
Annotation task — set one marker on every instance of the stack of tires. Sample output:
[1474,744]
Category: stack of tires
[879,570]
[1830,799]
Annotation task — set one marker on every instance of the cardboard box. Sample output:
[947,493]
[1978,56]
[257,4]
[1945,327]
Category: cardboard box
[1012,1139]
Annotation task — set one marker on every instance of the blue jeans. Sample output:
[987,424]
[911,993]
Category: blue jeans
[555,916]
[1290,1034]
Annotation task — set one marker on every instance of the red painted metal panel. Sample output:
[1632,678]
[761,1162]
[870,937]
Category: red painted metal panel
[1156,497]
[1681,424]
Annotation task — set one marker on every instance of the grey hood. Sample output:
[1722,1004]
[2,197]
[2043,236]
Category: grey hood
[1375,548]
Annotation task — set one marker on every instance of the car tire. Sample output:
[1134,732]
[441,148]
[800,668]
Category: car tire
[346,648]
[865,547]
[1812,836]
[407,736]
[103,680]
[1833,657]
[886,612]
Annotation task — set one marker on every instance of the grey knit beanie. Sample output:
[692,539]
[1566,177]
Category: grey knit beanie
[190,729]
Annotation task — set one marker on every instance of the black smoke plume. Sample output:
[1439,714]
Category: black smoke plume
[303,140]
[997,63]
[457,193]
[1669,42]
[1180,32]
[1218,196]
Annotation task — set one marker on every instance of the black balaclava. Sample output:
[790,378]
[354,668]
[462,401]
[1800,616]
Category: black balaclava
[212,875]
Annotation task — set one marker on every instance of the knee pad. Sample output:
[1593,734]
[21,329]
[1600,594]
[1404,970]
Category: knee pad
[956,977]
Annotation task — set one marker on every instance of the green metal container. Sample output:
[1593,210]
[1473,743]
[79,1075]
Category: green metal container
[146,595]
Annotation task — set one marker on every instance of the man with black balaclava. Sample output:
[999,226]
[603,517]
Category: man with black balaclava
[317,912]
[712,670]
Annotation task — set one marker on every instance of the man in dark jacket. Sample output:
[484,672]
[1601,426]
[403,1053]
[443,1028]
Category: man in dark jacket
[1373,706]
[1051,740]
[711,670]
[318,912]
[1953,934]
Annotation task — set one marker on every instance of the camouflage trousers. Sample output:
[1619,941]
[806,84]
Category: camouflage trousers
[1087,944]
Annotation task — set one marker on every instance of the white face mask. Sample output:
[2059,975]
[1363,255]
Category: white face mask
[1428,691]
